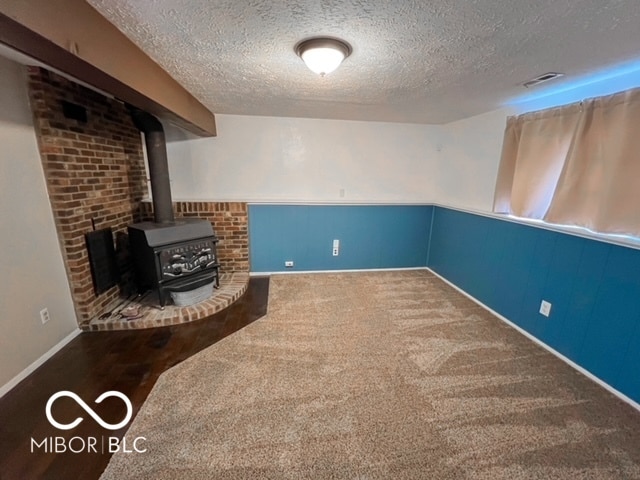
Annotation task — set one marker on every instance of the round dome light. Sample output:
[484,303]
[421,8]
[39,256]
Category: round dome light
[323,55]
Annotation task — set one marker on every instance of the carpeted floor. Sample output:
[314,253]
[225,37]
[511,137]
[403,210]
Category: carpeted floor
[390,375]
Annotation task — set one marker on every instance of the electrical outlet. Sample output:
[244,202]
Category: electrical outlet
[336,248]
[335,252]
[545,308]
[44,316]
[288,263]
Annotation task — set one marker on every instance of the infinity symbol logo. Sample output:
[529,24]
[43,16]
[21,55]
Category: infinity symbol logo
[87,408]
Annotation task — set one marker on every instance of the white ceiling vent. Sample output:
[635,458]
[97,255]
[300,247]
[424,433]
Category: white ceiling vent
[545,77]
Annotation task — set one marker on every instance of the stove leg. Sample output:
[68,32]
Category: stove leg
[217,279]
[161,298]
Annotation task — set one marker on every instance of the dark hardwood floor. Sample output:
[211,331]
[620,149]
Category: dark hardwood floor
[93,363]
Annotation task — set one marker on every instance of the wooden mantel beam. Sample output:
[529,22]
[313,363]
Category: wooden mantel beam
[72,37]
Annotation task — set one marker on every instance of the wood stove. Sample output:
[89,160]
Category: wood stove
[169,255]
[175,257]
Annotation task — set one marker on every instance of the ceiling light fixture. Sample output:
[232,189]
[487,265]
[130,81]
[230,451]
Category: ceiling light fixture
[323,54]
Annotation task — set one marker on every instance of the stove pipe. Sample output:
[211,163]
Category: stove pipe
[158,165]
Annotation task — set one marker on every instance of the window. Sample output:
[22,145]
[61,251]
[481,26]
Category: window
[575,165]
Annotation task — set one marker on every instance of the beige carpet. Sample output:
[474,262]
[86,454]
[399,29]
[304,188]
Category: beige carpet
[389,375]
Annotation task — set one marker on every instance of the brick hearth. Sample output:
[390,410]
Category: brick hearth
[232,286]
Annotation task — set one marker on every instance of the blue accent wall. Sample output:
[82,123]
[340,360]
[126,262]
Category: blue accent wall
[371,236]
[594,288]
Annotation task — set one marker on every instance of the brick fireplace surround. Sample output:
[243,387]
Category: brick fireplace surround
[95,171]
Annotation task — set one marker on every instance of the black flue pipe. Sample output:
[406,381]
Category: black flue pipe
[158,164]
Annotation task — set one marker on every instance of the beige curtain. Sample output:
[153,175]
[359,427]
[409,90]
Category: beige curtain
[507,168]
[575,165]
[533,153]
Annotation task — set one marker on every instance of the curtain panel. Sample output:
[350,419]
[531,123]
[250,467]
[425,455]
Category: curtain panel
[575,165]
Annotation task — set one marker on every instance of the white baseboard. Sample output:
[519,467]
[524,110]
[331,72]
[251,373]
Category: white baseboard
[31,368]
[294,272]
[569,362]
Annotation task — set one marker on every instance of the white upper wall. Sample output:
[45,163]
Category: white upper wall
[468,168]
[271,159]
[33,275]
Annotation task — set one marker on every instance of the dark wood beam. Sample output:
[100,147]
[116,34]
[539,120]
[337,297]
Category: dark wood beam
[110,62]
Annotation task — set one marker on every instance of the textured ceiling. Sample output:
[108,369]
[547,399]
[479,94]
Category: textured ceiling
[413,61]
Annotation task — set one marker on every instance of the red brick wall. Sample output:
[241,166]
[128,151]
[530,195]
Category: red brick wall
[94,170]
[230,224]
